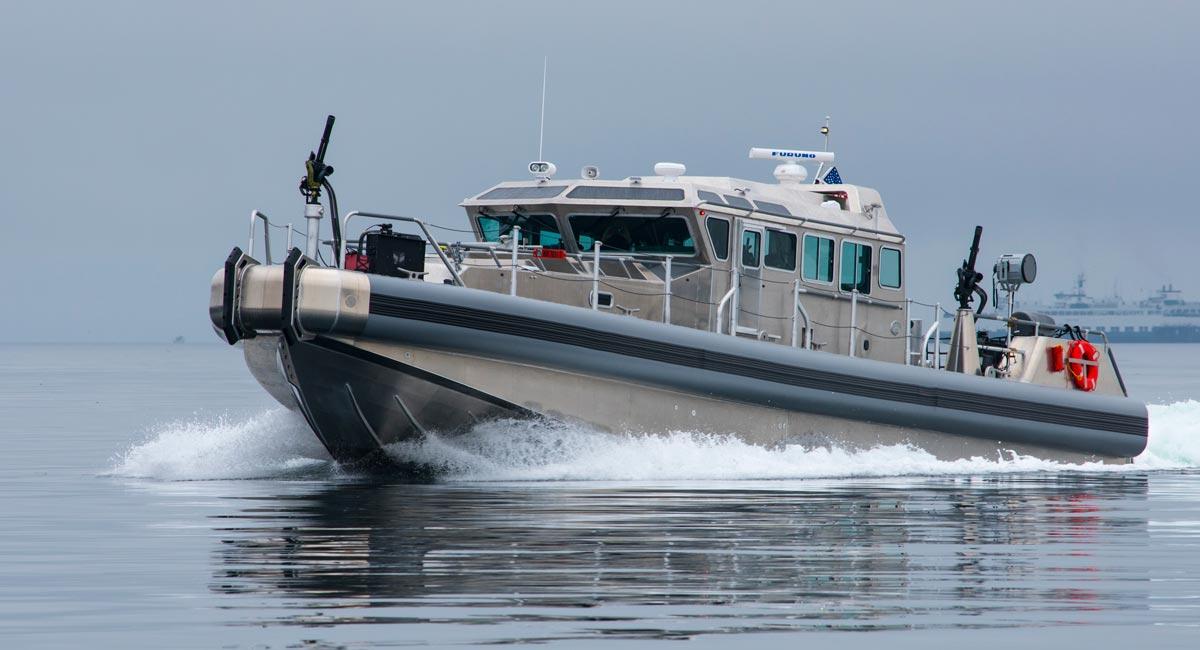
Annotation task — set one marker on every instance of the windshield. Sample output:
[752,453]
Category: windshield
[536,229]
[634,233]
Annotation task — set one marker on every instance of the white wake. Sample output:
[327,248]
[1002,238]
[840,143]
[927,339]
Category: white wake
[278,444]
[273,444]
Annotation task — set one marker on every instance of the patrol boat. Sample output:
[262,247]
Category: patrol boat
[775,312]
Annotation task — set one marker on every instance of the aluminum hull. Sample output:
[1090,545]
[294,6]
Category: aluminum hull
[426,357]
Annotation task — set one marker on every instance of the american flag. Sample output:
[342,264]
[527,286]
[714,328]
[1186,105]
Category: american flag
[832,177]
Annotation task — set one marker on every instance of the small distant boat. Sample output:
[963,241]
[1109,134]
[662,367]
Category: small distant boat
[1164,317]
[777,312]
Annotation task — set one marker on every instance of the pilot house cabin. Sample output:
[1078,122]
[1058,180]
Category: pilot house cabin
[806,265]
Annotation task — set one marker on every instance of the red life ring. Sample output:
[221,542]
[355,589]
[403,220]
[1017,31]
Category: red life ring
[1084,374]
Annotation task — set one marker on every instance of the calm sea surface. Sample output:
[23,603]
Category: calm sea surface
[154,496]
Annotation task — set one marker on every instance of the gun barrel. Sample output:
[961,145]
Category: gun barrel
[325,139]
[975,248]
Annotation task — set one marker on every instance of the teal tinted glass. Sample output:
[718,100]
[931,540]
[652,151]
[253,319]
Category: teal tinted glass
[818,258]
[889,268]
[856,267]
[536,229]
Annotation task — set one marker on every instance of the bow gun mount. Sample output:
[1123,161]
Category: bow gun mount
[316,172]
[963,356]
[316,177]
[968,278]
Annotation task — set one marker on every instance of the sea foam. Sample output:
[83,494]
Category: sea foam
[278,444]
[275,443]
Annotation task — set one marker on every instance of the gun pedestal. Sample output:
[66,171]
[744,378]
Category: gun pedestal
[964,351]
[313,212]
[964,347]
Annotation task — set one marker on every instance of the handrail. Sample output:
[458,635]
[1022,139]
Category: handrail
[925,343]
[254,216]
[1009,320]
[516,249]
[1006,350]
[853,321]
[908,326]
[437,247]
[734,282]
[667,294]
[796,291]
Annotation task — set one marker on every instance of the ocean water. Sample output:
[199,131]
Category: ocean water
[154,496]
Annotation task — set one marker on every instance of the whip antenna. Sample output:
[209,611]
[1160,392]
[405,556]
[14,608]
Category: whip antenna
[542,120]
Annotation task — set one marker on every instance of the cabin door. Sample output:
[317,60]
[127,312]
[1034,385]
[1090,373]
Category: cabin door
[750,254]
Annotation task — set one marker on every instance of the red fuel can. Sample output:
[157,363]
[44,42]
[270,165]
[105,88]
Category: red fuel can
[356,262]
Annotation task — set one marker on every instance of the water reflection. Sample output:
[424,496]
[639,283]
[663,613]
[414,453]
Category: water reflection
[657,561]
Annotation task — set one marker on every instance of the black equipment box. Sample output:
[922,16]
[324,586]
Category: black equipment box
[396,254]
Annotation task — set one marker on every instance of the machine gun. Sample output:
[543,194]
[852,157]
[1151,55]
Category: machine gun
[969,278]
[316,172]
[316,176]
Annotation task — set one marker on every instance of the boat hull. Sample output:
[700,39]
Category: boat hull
[425,357]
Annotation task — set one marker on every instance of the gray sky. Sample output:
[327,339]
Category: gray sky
[135,137]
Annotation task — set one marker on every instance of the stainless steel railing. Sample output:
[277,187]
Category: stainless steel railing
[727,308]
[437,246]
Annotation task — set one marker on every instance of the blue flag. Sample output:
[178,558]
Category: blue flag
[832,177]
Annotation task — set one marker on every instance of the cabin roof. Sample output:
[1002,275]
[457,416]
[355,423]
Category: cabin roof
[863,205]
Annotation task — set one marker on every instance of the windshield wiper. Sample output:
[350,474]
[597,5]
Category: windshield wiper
[667,212]
[600,227]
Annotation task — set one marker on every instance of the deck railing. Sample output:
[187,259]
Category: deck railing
[452,256]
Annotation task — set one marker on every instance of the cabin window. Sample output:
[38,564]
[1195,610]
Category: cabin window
[709,197]
[738,202]
[772,208]
[536,229]
[509,193]
[781,250]
[856,267]
[626,193]
[647,233]
[718,232]
[889,268]
[751,248]
[818,258]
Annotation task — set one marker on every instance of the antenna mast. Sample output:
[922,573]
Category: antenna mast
[542,120]
[821,167]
